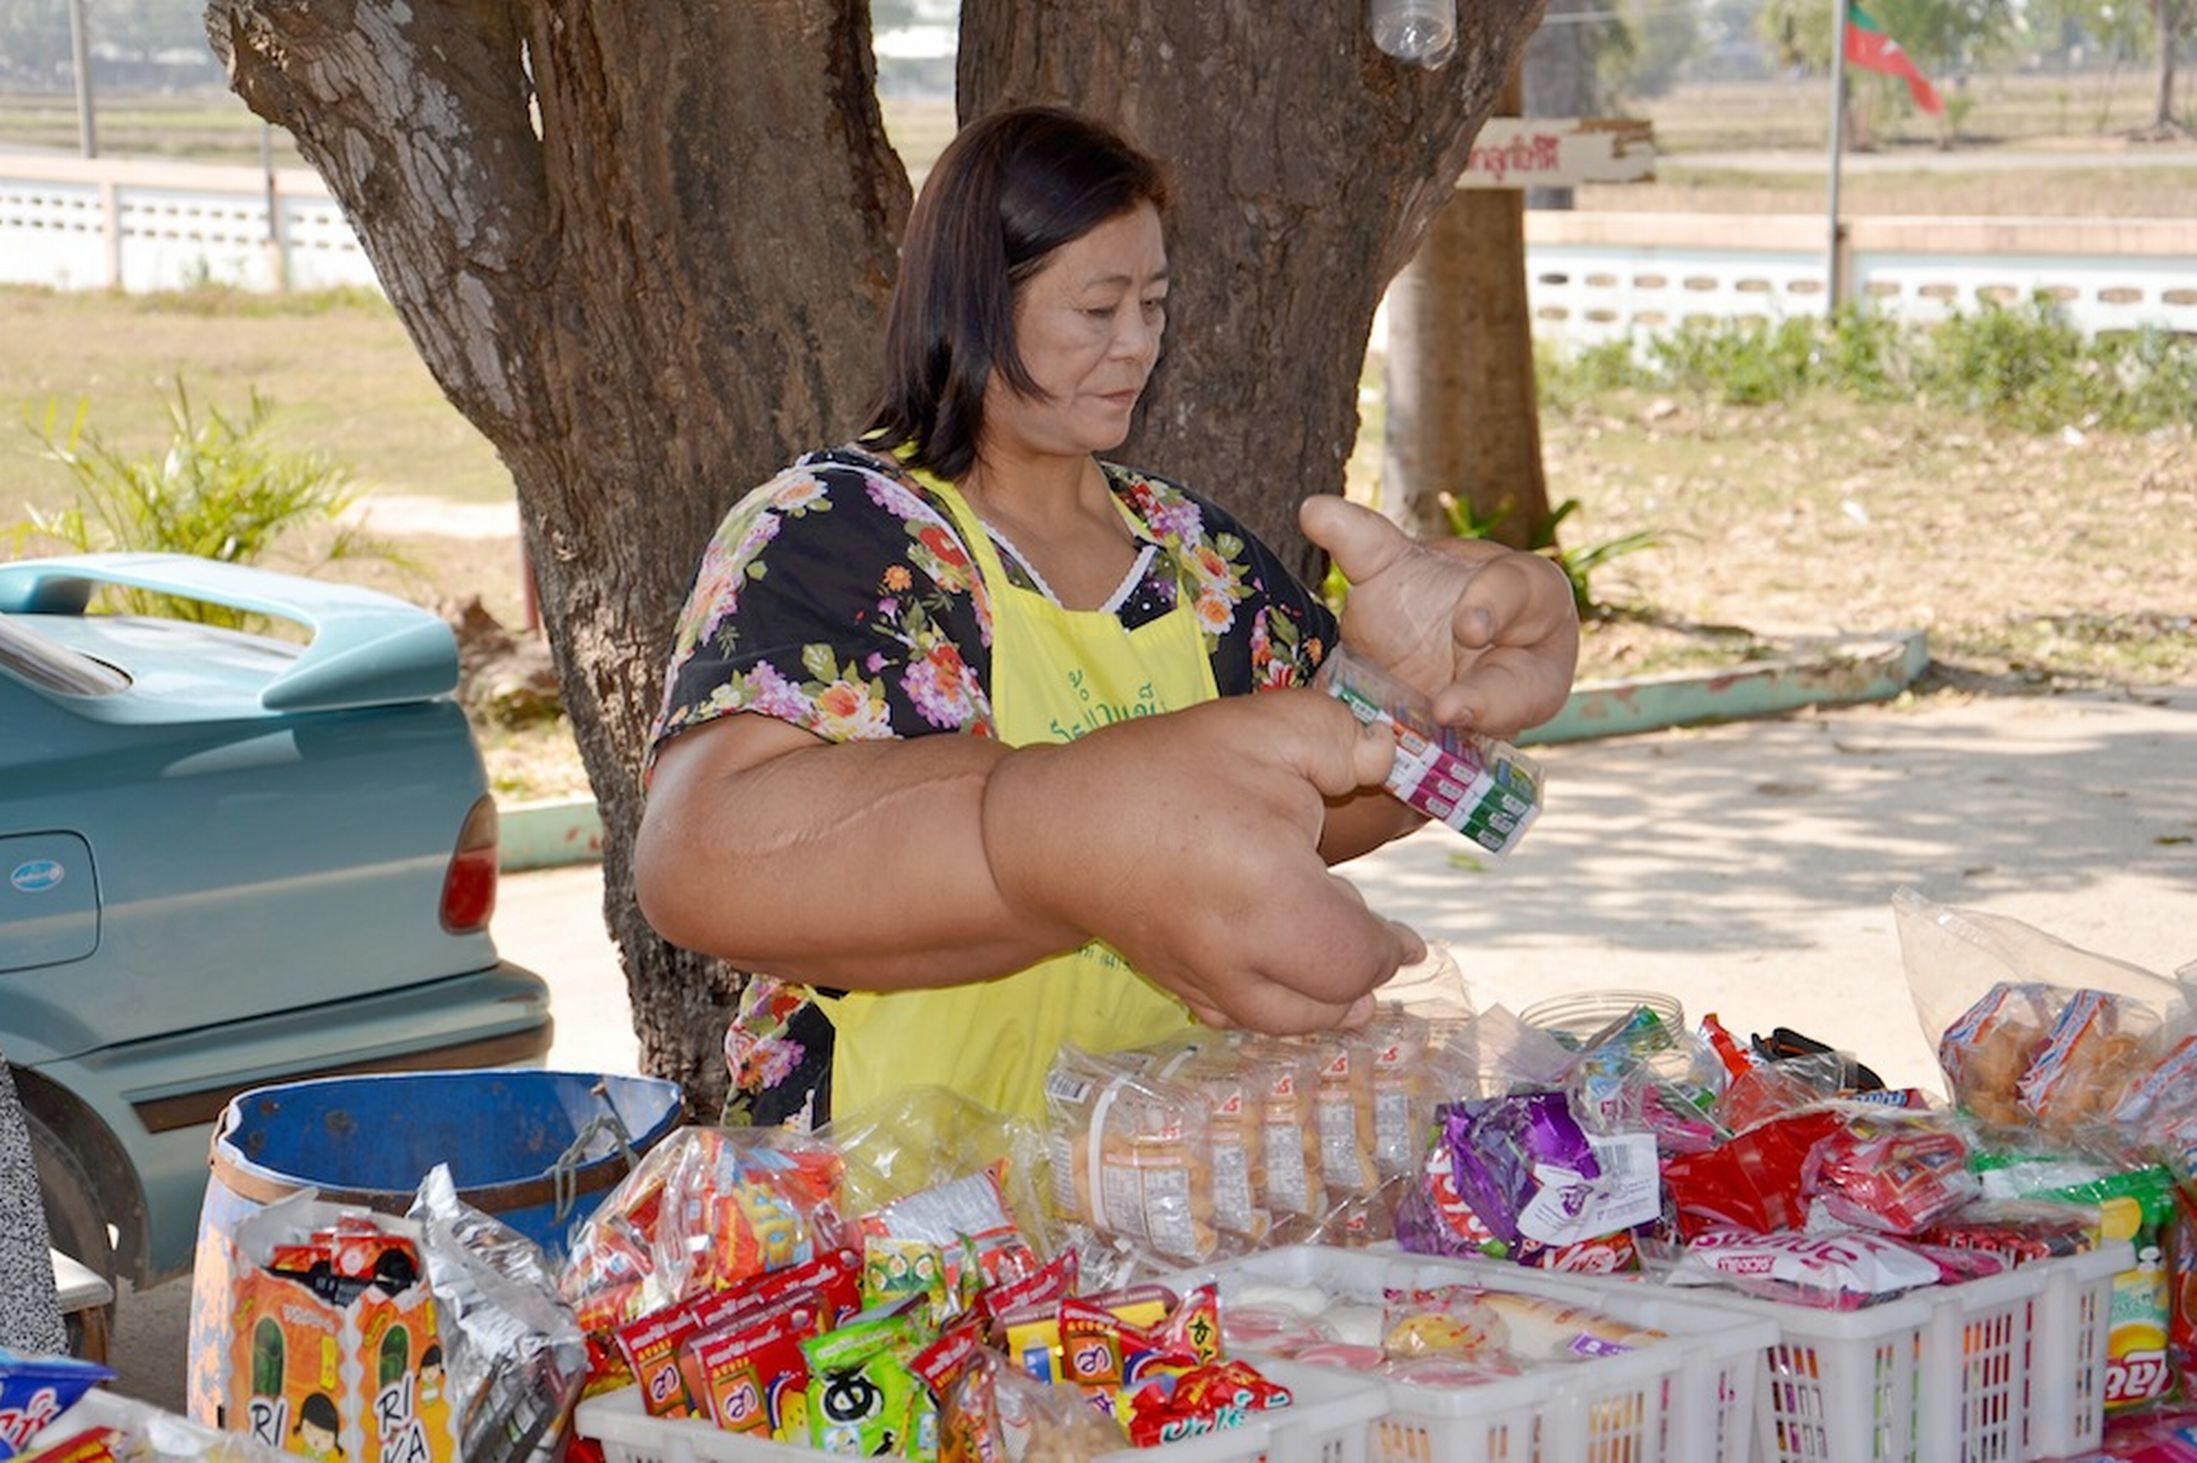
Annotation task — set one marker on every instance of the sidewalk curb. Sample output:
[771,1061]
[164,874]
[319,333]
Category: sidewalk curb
[1832,672]
[1835,671]
[547,834]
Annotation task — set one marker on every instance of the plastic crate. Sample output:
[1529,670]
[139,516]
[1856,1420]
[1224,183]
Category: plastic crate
[1684,1400]
[2010,1367]
[1326,1422]
[2069,1328]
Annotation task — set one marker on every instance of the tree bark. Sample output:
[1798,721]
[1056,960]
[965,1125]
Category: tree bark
[2166,22]
[646,249]
[1559,78]
[1463,417]
[1308,165]
[642,306]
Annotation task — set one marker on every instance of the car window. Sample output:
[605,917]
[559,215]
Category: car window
[43,663]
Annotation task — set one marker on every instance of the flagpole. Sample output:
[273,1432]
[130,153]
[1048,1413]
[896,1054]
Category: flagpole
[1838,143]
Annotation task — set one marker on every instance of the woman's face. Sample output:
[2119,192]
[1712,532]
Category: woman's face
[1088,327]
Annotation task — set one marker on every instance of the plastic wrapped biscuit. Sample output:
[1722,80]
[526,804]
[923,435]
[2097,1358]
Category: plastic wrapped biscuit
[1288,1124]
[1138,1164]
[1403,1115]
[1228,1078]
[1343,1105]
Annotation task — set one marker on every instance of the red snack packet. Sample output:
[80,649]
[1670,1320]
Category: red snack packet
[2022,1230]
[942,1363]
[650,1347]
[753,1377]
[1752,1182]
[1195,1327]
[1049,1284]
[93,1445]
[1896,1177]
[1203,1400]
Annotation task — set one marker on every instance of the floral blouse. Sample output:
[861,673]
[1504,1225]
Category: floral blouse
[840,597]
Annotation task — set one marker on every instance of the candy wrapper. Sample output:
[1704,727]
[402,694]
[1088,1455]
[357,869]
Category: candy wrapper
[1205,1399]
[1524,1165]
[513,1356]
[2019,1230]
[740,1201]
[1752,1182]
[1482,788]
[1889,1171]
[36,1390]
[1837,1271]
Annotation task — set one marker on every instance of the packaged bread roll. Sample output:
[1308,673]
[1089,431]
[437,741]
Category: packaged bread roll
[1402,1117]
[1135,1145]
[1288,1124]
[1226,1077]
[1343,1105]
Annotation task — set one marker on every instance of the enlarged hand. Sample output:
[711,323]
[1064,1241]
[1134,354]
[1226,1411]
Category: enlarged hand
[1488,633]
[1190,843]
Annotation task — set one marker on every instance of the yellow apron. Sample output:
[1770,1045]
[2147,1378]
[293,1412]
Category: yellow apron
[1056,674]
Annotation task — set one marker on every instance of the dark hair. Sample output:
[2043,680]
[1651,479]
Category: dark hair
[1013,186]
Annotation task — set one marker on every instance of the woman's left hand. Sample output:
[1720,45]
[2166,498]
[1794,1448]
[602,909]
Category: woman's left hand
[1489,634]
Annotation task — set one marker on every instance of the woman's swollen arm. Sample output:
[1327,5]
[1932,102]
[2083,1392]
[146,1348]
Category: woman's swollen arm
[857,864]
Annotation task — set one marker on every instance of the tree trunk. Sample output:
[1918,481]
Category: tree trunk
[646,248]
[1559,78]
[644,308]
[1462,411]
[2166,21]
[1307,166]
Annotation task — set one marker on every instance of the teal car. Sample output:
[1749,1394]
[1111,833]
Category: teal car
[228,859]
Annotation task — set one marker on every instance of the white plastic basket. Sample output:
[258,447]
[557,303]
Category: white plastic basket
[1688,1400]
[2070,1326]
[2009,1367]
[1326,1422]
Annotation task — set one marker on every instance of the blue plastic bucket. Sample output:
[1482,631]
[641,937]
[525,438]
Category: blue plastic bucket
[513,1140]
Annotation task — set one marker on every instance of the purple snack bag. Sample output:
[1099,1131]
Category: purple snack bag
[1522,1163]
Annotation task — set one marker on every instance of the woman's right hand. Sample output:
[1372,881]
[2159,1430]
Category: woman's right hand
[1190,843]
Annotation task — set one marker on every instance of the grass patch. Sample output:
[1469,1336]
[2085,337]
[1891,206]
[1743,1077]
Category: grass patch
[341,375]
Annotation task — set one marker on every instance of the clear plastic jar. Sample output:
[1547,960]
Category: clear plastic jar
[1577,1019]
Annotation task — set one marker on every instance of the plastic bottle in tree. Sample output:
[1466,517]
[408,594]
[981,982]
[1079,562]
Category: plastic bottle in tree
[1422,32]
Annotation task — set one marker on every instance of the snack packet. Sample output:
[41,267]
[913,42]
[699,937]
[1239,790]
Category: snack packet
[1478,786]
[36,1390]
[1841,1270]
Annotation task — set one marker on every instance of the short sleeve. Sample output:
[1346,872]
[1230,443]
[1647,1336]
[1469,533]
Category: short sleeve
[840,600]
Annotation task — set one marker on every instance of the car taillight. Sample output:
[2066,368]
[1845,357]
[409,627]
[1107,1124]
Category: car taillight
[469,884]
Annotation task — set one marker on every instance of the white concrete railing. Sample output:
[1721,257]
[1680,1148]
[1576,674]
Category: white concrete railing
[87,224]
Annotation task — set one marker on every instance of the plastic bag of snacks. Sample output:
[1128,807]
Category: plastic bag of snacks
[1232,1078]
[706,1208]
[513,1355]
[1130,1154]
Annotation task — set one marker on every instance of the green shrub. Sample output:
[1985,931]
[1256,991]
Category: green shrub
[220,490]
[1742,362]
[2026,365]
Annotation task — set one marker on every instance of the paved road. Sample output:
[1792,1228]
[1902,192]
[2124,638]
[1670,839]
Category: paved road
[1745,869]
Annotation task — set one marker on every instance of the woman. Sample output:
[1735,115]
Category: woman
[956,737]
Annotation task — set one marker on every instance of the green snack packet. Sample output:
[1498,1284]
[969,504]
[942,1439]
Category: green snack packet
[862,1396]
[893,1270]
